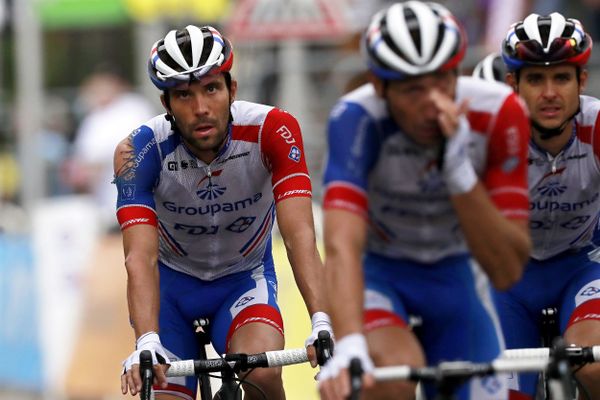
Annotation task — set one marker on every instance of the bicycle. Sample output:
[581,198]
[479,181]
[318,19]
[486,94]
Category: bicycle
[448,376]
[229,365]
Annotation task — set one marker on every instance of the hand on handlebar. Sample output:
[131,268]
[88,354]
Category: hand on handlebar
[130,379]
[334,379]
[320,345]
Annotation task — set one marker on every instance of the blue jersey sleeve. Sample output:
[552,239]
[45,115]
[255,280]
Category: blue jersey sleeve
[353,141]
[139,175]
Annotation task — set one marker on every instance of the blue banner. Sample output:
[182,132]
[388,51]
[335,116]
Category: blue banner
[21,366]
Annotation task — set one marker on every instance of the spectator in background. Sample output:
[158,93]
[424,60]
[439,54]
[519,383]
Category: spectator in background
[113,111]
[54,143]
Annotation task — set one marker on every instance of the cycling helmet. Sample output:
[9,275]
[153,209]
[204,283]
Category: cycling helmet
[546,40]
[190,53]
[413,38]
[491,68]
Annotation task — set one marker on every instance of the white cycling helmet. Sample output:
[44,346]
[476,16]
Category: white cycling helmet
[187,54]
[413,38]
[491,68]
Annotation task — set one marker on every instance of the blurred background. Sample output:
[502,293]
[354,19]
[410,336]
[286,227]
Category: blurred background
[73,83]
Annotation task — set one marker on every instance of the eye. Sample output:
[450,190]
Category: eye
[181,94]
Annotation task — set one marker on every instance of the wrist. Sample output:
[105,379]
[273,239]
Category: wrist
[354,343]
[320,318]
[461,179]
[147,338]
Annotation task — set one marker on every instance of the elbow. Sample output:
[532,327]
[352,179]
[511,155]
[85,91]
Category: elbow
[507,277]
[510,272]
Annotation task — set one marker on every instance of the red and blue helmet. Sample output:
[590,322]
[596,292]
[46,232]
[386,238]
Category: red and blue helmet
[188,54]
[546,40]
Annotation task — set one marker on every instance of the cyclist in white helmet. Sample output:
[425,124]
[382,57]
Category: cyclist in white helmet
[426,175]
[199,188]
[546,58]
[491,68]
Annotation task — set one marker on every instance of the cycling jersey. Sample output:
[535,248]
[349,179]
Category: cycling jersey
[564,271]
[564,190]
[377,171]
[214,220]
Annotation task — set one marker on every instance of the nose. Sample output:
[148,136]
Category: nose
[549,91]
[200,105]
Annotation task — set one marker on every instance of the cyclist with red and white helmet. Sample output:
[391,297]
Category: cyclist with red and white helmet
[426,174]
[199,188]
[546,58]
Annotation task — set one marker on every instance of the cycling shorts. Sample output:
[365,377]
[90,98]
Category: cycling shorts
[569,282]
[454,301]
[250,295]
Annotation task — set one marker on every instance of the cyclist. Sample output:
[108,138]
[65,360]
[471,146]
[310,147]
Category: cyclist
[491,68]
[546,58]
[198,190]
[402,216]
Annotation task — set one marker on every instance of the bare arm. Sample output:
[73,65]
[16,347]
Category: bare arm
[140,243]
[295,219]
[500,245]
[345,238]
[141,251]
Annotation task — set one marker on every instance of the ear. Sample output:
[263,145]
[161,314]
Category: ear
[377,84]
[511,81]
[583,77]
[163,101]
[233,93]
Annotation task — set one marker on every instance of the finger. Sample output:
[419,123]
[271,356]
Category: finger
[131,383]
[311,352]
[448,124]
[463,107]
[159,376]
[368,381]
[343,383]
[325,390]
[124,386]
[134,372]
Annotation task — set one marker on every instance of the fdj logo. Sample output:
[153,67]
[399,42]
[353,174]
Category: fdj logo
[591,291]
[244,300]
[241,224]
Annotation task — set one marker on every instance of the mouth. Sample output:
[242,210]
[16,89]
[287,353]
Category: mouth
[550,111]
[203,129]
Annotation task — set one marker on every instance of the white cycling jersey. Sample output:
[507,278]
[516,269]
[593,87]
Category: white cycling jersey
[564,190]
[214,220]
[374,169]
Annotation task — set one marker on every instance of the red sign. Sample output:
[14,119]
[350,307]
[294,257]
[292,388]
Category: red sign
[287,19]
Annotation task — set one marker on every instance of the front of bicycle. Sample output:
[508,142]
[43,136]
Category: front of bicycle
[232,364]
[558,362]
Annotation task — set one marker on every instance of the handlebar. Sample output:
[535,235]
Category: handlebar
[519,360]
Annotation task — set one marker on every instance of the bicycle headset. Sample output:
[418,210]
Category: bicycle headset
[544,41]
[413,38]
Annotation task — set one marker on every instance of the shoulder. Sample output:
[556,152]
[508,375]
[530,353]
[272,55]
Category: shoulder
[362,100]
[590,108]
[249,113]
[483,95]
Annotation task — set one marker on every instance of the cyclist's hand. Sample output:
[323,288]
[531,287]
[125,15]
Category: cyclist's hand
[449,112]
[334,378]
[320,322]
[130,379]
